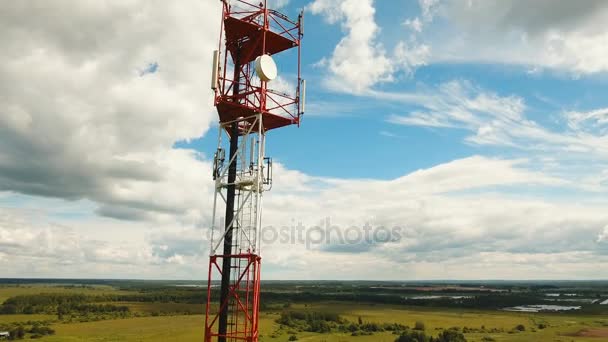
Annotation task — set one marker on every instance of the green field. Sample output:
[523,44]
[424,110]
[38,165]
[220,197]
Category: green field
[164,328]
[25,318]
[184,322]
[190,327]
[434,319]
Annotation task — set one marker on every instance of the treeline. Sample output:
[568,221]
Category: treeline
[18,331]
[60,304]
[449,335]
[162,296]
[326,322]
[40,303]
[82,309]
[49,302]
[485,301]
[73,302]
[322,322]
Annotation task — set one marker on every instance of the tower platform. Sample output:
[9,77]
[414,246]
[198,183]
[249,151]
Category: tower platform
[252,31]
[250,36]
[231,111]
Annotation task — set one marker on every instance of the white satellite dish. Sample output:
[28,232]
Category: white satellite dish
[265,68]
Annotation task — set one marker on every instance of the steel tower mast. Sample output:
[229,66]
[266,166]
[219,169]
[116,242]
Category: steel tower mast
[242,71]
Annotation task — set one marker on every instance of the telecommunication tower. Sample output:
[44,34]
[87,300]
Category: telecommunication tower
[248,107]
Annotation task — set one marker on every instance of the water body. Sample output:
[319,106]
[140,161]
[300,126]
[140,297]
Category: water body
[540,308]
[193,285]
[574,300]
[439,297]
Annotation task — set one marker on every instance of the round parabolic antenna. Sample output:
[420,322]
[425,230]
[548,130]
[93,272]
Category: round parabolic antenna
[265,68]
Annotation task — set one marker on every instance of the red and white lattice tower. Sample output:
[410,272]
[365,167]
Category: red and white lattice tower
[248,107]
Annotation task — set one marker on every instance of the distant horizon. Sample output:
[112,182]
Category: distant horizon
[328,280]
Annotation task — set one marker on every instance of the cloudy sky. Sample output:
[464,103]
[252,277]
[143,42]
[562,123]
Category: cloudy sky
[476,127]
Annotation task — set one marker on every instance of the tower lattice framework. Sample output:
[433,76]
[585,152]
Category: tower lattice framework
[248,108]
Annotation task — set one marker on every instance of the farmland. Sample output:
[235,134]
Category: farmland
[161,311]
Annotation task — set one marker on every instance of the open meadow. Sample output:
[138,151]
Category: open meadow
[179,319]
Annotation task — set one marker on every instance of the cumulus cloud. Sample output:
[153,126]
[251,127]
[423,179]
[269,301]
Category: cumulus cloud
[360,61]
[450,214]
[561,34]
[29,237]
[179,243]
[36,243]
[80,120]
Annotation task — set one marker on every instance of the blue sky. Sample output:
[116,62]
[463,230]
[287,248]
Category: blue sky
[479,127]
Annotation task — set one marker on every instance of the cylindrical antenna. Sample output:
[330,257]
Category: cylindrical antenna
[214,71]
[303,98]
[302,23]
[251,151]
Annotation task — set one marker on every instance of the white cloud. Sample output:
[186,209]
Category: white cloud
[454,219]
[451,215]
[78,119]
[561,35]
[428,9]
[498,120]
[360,61]
[603,235]
[414,24]
[411,56]
[277,4]
[564,35]
[39,243]
[597,118]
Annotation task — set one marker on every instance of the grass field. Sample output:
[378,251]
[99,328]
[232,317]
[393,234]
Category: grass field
[190,328]
[25,318]
[176,327]
[558,325]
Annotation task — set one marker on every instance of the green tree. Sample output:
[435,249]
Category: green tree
[450,336]
[413,336]
[17,333]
